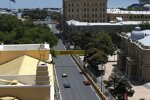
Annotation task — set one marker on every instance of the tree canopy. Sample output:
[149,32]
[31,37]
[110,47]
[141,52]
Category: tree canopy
[118,85]
[14,31]
[35,14]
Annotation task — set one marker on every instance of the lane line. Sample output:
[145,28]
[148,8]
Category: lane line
[85,78]
[57,83]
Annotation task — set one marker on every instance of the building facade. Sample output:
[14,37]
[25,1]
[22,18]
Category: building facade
[85,10]
[94,28]
[128,15]
[134,54]
[144,1]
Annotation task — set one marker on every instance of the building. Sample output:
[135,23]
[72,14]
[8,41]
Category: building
[85,10]
[113,26]
[144,1]
[134,54]
[25,72]
[128,15]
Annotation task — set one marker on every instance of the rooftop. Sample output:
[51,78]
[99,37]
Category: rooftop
[23,70]
[142,41]
[24,47]
[77,23]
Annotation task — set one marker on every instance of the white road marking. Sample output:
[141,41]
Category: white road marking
[57,83]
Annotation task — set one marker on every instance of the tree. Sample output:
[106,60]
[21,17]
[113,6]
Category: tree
[119,85]
[35,14]
[75,37]
[56,16]
[14,31]
[103,41]
[145,25]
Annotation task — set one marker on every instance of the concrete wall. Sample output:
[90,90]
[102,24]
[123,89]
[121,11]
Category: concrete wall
[24,79]
[6,56]
[26,92]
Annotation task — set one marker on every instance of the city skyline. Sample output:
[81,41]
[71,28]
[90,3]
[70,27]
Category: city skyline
[56,3]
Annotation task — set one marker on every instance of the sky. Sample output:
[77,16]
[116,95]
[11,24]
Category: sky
[56,3]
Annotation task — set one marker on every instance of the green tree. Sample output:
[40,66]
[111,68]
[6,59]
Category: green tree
[145,25]
[14,31]
[119,85]
[103,41]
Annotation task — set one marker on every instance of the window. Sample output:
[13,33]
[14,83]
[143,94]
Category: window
[84,4]
[95,15]
[92,15]
[95,20]
[69,4]
[87,9]
[92,9]
[103,9]
[69,10]
[84,10]
[77,4]
[72,4]
[103,4]
[92,4]
[72,10]
[95,9]
[84,15]
[77,10]
[87,15]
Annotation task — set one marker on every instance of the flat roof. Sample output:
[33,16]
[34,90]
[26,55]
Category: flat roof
[77,23]
[144,41]
[118,11]
[18,47]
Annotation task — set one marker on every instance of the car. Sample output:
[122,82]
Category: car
[86,82]
[66,85]
[81,72]
[64,75]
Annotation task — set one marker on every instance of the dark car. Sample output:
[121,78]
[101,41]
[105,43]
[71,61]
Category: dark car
[86,82]
[81,72]
[66,85]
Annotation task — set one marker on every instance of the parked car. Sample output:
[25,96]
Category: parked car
[66,85]
[86,82]
[64,75]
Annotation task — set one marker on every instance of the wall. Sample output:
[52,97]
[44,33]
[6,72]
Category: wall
[6,56]
[26,92]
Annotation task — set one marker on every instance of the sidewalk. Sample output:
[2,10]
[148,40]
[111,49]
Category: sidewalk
[142,92]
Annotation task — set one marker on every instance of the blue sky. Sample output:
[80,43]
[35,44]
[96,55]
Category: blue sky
[57,3]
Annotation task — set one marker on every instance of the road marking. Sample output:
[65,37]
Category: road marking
[57,82]
[85,78]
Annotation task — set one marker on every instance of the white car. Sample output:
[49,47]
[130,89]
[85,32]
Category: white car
[64,75]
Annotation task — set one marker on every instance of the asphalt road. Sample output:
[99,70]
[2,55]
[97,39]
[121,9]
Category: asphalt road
[78,91]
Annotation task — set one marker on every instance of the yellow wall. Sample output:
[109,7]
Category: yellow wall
[27,92]
[6,56]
